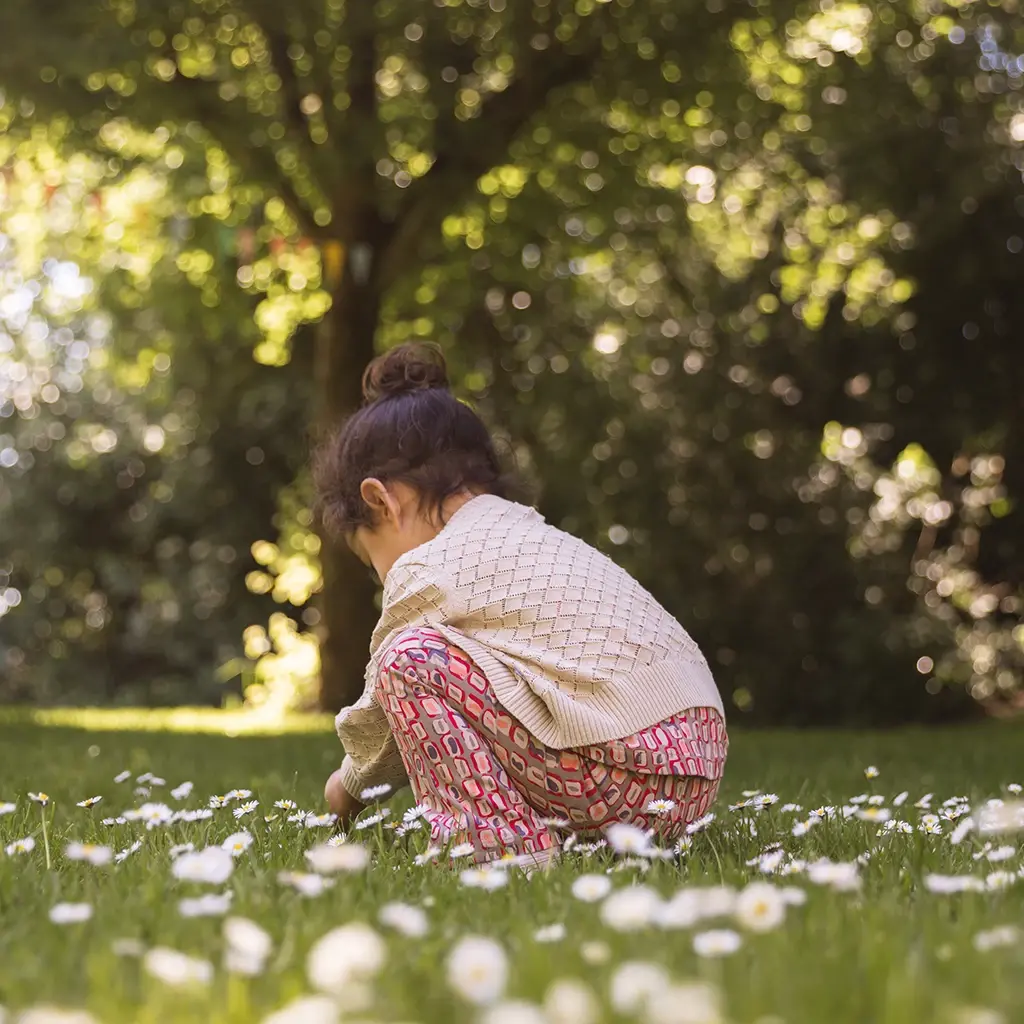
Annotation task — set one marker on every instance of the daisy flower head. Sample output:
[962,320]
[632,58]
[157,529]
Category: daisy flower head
[246,947]
[319,820]
[930,825]
[91,801]
[26,845]
[70,913]
[591,888]
[717,942]
[211,866]
[630,909]
[268,818]
[486,878]
[42,799]
[286,805]
[372,793]
[7,808]
[124,854]
[183,791]
[683,845]
[634,983]
[874,814]
[237,843]
[429,854]
[415,813]
[92,854]
[217,802]
[238,794]
[477,970]
[330,859]
[373,819]
[176,969]
[550,933]
[660,807]
[155,815]
[122,777]
[119,820]
[1014,787]
[700,824]
[871,772]
[461,850]
[407,920]
[209,905]
[760,907]
[570,1001]
[629,839]
[791,808]
[177,851]
[351,953]
[305,884]
[247,808]
[994,938]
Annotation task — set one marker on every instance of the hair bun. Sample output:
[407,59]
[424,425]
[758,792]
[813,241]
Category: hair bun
[414,366]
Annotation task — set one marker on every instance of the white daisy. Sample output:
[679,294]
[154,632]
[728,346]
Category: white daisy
[405,919]
[871,772]
[477,970]
[591,888]
[372,793]
[237,843]
[122,777]
[550,933]
[177,969]
[660,806]
[760,907]
[319,820]
[124,854]
[208,905]
[7,808]
[212,866]
[716,943]
[461,850]
[183,791]
[91,801]
[247,808]
[26,845]
[70,913]
[344,958]
[97,855]
[305,885]
[343,857]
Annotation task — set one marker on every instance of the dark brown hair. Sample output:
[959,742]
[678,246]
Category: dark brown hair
[412,429]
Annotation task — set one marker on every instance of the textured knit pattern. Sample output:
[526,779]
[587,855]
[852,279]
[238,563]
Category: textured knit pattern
[487,782]
[574,647]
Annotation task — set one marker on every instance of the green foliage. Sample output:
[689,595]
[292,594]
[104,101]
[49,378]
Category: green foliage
[736,285]
[892,952]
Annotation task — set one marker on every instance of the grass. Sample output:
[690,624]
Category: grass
[891,953]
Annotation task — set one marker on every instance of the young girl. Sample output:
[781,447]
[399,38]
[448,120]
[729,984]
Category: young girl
[519,680]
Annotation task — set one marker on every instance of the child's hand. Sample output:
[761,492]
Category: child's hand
[341,801]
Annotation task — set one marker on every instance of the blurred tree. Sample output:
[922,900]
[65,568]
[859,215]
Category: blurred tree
[141,447]
[370,123]
[676,262]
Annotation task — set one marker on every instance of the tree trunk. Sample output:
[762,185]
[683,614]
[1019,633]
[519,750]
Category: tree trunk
[345,344]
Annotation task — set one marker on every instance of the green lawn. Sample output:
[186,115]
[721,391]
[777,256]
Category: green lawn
[888,951]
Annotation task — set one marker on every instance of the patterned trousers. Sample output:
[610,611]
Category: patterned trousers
[488,782]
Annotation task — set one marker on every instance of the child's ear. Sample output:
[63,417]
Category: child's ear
[379,499]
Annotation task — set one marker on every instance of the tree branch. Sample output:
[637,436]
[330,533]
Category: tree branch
[480,144]
[202,102]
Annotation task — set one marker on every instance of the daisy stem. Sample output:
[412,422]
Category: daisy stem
[46,839]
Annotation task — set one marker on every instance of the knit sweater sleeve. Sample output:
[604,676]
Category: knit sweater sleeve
[415,595]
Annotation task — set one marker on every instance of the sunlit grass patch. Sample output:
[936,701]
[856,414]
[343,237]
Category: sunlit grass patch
[820,892]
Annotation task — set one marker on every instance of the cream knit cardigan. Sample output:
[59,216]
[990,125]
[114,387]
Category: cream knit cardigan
[573,646]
